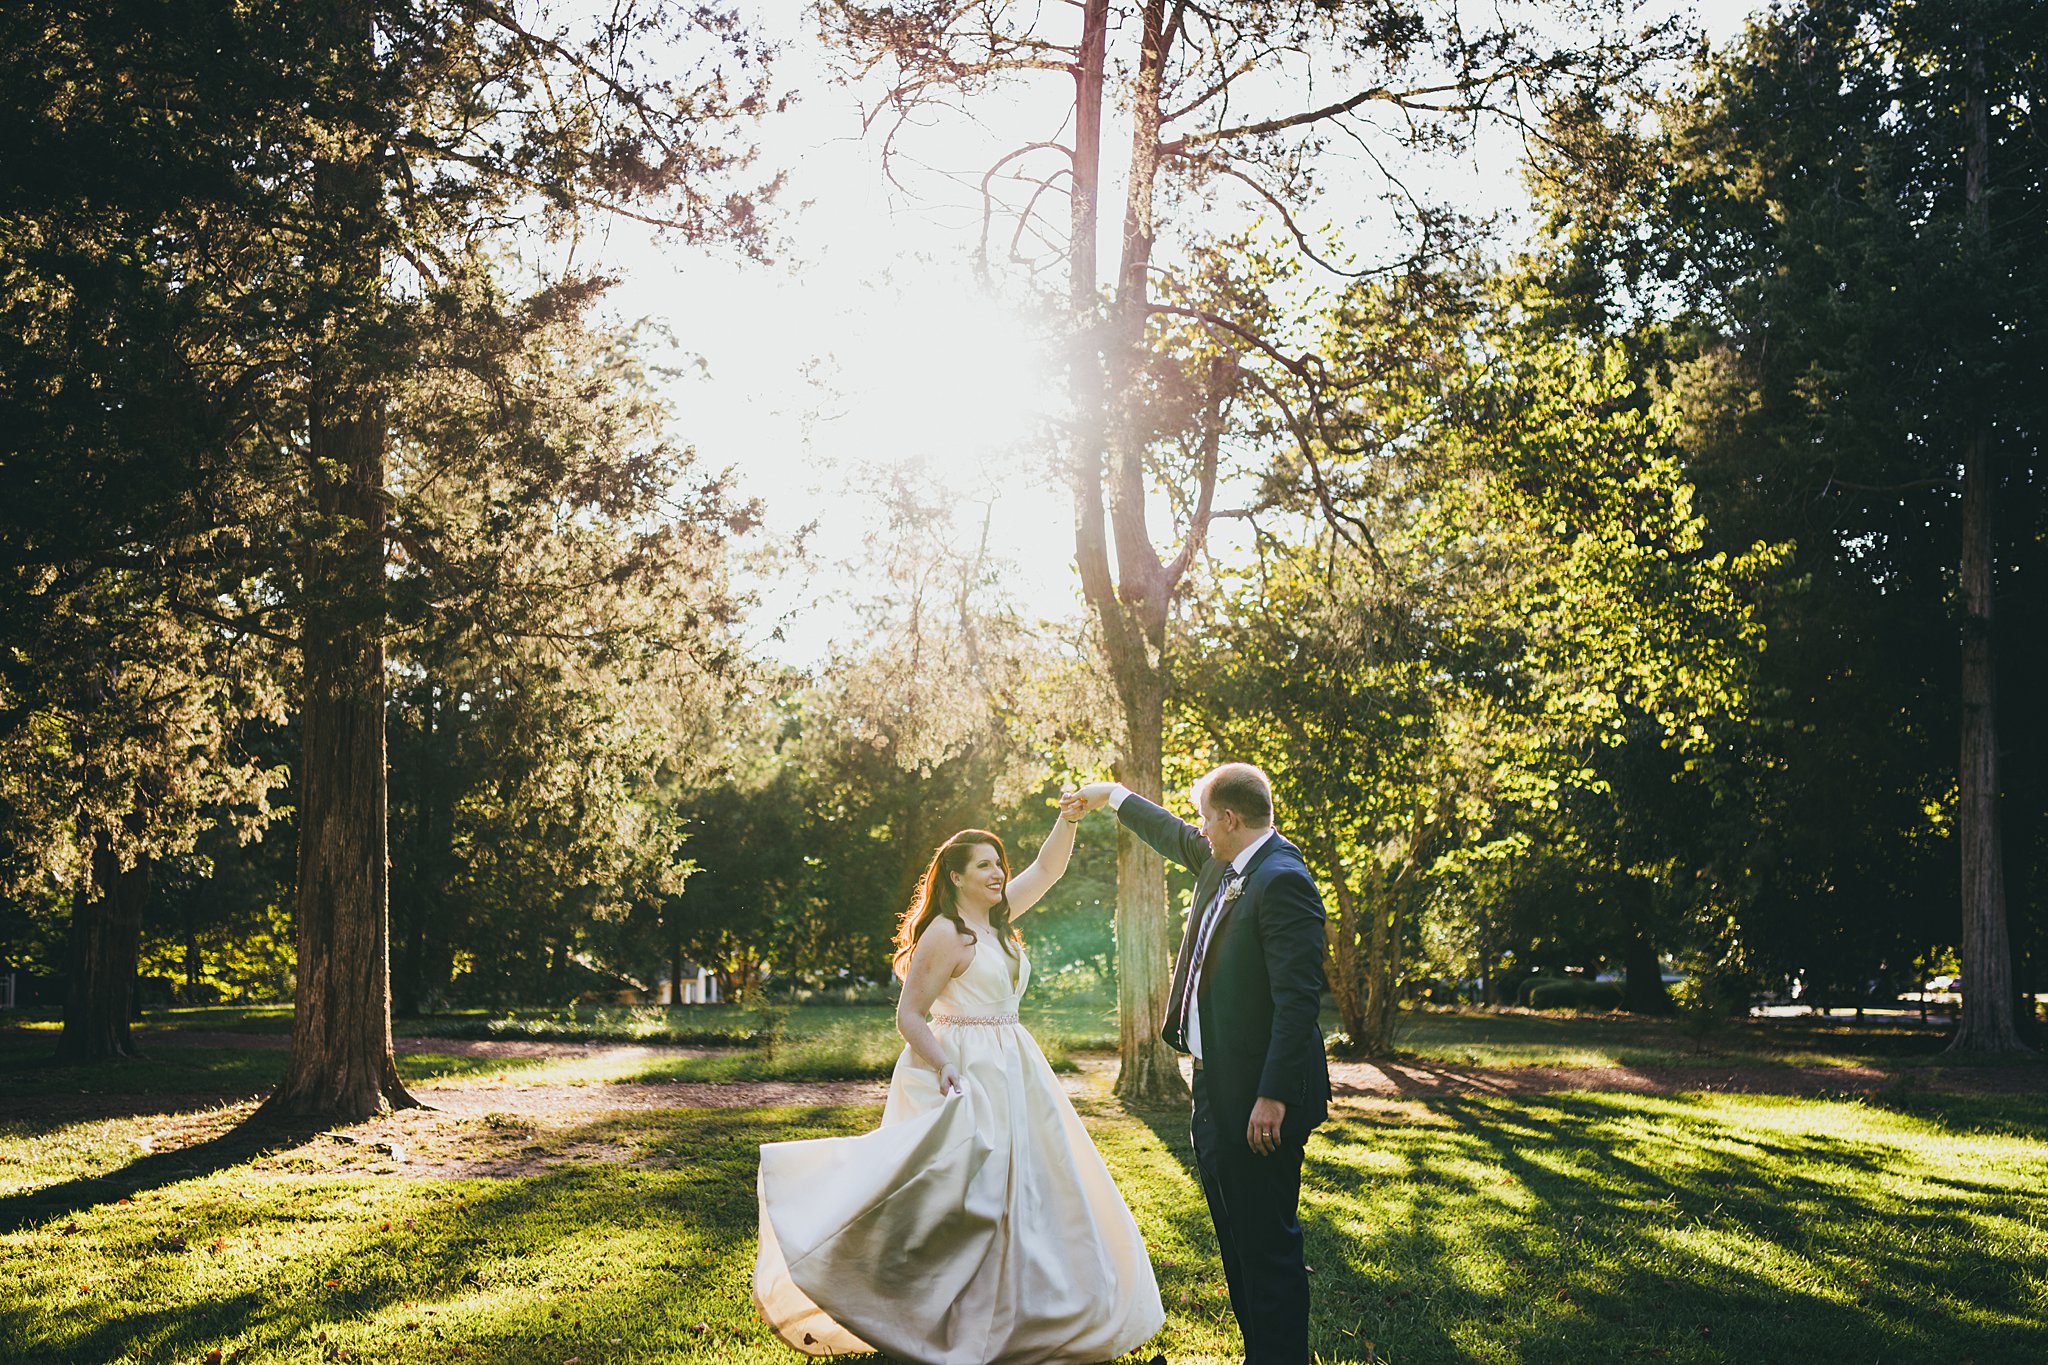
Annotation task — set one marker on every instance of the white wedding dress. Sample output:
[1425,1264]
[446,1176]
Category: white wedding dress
[969,1229]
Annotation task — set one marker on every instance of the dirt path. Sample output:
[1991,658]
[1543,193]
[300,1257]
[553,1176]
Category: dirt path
[484,1128]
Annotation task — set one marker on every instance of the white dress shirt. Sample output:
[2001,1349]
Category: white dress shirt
[1238,864]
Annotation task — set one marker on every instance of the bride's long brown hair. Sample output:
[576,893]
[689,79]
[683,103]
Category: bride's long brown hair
[936,896]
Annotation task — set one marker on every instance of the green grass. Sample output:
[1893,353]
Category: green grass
[1088,1023]
[1082,1022]
[1572,1228]
[227,1072]
[1490,1039]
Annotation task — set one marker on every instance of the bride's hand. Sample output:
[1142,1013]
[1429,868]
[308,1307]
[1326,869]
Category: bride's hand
[949,1081]
[1072,806]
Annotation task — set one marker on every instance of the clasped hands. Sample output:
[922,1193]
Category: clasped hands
[1076,802]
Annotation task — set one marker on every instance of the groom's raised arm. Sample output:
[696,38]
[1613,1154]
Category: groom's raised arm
[1174,837]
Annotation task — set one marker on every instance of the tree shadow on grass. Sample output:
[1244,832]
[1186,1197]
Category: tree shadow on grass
[546,1267]
[31,1208]
[1573,1227]
[2023,1116]
[1592,1227]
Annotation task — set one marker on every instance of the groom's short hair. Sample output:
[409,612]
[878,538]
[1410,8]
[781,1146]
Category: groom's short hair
[1238,787]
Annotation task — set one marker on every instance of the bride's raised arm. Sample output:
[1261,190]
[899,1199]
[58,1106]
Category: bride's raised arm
[1028,887]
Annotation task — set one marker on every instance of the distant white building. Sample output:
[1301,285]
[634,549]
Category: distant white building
[700,989]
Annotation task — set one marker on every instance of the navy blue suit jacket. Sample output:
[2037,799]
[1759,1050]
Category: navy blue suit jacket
[1262,976]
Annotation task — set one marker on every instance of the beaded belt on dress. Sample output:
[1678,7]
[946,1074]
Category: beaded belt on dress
[974,1018]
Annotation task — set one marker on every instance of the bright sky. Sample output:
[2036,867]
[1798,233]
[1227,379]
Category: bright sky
[870,343]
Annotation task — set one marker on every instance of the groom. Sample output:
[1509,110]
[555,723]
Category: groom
[1247,985]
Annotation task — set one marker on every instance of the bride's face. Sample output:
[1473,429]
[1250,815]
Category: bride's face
[980,884]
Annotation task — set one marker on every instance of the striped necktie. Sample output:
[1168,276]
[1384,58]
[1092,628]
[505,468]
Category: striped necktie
[1202,932]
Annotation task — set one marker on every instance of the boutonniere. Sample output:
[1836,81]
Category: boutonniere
[1232,892]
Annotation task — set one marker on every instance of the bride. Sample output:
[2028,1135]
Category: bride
[977,1224]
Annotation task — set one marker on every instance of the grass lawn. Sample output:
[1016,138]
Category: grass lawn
[821,1042]
[187,1071]
[1562,1228]
[1528,1038]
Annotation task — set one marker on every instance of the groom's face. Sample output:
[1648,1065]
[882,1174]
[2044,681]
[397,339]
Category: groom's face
[1223,828]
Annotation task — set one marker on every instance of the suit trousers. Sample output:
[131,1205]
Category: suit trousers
[1253,1201]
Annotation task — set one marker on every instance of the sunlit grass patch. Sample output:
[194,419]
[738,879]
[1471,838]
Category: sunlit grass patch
[1076,1021]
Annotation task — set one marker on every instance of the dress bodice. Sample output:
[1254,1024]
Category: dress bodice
[984,988]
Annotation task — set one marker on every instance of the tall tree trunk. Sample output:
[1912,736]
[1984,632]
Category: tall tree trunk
[421,968]
[189,930]
[408,986]
[341,1067]
[1643,978]
[1149,1072]
[1489,986]
[1987,1023]
[1131,608]
[1347,975]
[106,937]
[1381,904]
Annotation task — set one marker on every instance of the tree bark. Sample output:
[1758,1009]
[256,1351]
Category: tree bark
[341,1067]
[1131,608]
[106,938]
[423,966]
[1381,904]
[1986,1023]
[1643,979]
[1346,972]
[1149,1070]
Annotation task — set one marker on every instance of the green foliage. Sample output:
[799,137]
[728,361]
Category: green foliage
[1487,640]
[226,228]
[1785,250]
[247,954]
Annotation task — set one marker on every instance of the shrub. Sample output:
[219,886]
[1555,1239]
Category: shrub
[1574,995]
[1529,987]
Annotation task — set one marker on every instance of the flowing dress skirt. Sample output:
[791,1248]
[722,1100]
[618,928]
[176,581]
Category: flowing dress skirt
[969,1229]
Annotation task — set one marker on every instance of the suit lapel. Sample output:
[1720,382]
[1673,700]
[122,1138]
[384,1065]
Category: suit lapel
[1224,912]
